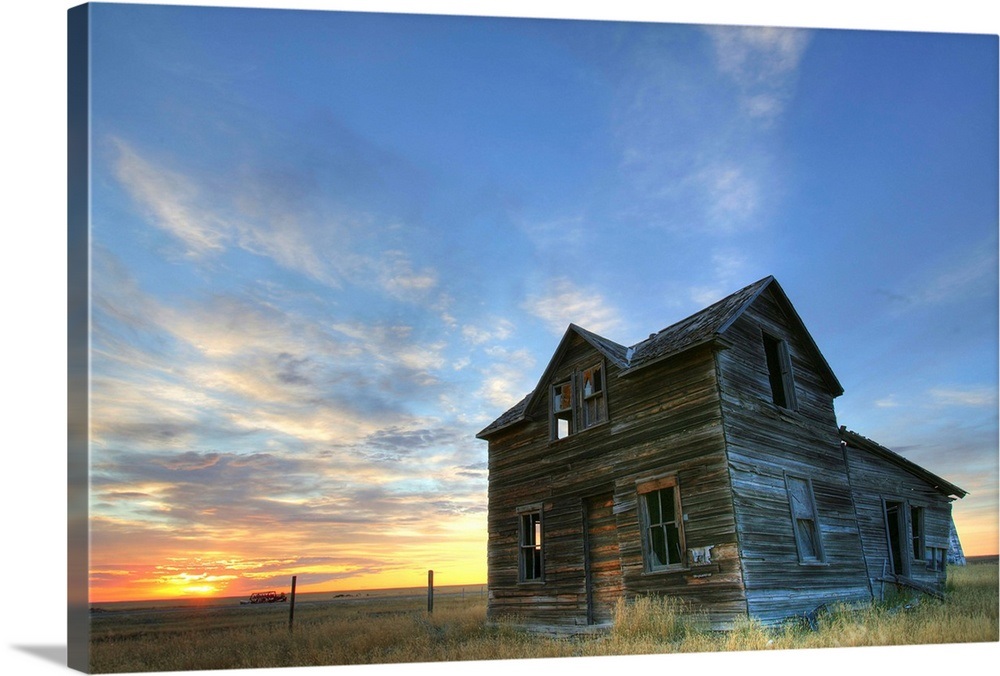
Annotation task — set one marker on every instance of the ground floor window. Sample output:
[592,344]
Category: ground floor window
[530,565]
[662,523]
[804,522]
[936,557]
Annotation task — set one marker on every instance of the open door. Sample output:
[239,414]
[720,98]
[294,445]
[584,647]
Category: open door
[895,531]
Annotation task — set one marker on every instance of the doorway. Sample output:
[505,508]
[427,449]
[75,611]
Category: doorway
[895,530]
[602,566]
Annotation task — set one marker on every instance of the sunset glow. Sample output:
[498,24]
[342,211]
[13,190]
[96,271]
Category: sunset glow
[329,247]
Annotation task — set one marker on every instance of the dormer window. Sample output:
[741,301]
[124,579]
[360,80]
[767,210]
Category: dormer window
[578,403]
[594,410]
[562,410]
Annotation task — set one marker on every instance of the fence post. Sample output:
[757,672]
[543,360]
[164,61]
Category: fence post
[291,605]
[430,591]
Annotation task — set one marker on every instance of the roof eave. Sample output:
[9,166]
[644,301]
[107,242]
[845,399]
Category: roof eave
[864,443]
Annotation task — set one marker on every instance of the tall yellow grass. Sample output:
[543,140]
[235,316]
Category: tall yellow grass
[401,631]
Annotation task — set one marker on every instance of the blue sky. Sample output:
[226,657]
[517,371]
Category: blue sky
[328,248]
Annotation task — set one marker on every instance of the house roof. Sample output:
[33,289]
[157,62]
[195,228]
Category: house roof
[864,443]
[704,326]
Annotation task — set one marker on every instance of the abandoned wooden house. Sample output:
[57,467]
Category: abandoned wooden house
[704,463]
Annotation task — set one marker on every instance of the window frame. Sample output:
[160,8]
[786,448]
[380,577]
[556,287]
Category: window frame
[800,542]
[918,532]
[936,558]
[576,417]
[530,545]
[597,397]
[658,484]
[558,414]
[780,375]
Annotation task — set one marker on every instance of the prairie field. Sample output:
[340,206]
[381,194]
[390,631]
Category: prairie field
[387,628]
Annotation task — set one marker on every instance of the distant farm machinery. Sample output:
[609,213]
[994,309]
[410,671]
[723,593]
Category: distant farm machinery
[266,597]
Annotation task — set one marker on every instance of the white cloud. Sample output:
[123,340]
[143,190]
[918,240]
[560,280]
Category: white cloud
[172,199]
[298,232]
[732,195]
[564,302]
[207,217]
[762,61]
[974,397]
[728,269]
[889,401]
[399,280]
[505,381]
[499,329]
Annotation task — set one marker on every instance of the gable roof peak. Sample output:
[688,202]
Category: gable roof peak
[701,328]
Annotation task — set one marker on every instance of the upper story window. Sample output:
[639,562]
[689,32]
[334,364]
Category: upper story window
[562,410]
[579,402]
[779,372]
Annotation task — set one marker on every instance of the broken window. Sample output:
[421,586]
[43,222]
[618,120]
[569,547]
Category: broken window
[917,532]
[530,538]
[662,523]
[804,521]
[593,396]
[578,403]
[562,410]
[779,372]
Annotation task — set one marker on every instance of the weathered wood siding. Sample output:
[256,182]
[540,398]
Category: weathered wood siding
[765,443]
[875,480]
[665,419]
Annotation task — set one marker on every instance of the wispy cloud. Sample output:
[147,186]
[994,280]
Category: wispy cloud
[975,397]
[726,271]
[889,401]
[496,329]
[277,217]
[763,62]
[691,140]
[173,202]
[564,302]
[506,380]
[975,275]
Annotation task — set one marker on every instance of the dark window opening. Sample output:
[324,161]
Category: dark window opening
[779,372]
[530,536]
[895,536]
[917,532]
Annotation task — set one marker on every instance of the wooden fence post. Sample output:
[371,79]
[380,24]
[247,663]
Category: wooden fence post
[430,591]
[291,605]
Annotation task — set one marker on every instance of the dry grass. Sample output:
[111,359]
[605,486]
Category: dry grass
[386,631]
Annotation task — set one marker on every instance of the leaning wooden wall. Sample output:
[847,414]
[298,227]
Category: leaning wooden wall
[765,442]
[662,419]
[875,480]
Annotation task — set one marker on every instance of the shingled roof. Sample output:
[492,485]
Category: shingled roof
[704,326]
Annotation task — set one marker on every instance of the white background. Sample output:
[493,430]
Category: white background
[33,269]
